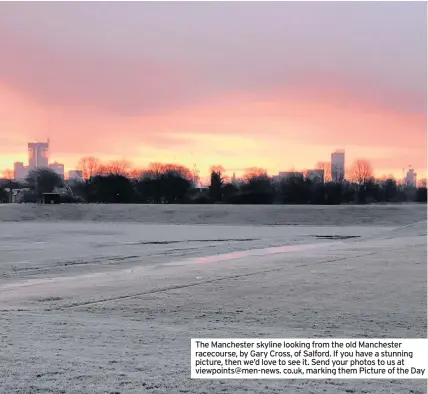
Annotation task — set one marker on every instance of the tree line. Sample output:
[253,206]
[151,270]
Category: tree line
[117,182]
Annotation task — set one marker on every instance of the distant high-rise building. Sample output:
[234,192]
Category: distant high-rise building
[20,171]
[38,155]
[75,175]
[338,166]
[410,179]
[315,175]
[58,168]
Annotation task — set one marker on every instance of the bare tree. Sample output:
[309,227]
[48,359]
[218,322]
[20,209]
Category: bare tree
[135,173]
[254,172]
[158,169]
[361,171]
[195,176]
[117,167]
[326,167]
[90,167]
[218,169]
[423,182]
[8,174]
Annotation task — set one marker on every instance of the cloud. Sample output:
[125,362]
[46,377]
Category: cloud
[170,56]
[161,82]
[76,78]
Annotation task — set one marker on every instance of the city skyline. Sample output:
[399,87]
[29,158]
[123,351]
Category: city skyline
[275,96]
[336,170]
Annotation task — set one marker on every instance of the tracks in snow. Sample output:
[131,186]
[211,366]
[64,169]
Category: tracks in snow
[199,283]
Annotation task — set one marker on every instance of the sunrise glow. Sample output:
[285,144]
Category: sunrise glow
[182,94]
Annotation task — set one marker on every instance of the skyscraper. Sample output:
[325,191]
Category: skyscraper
[38,155]
[338,166]
[410,179]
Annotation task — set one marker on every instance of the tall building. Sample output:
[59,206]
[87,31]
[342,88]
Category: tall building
[338,166]
[20,171]
[410,179]
[38,155]
[58,168]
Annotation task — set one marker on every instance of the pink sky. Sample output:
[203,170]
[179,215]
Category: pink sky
[103,79]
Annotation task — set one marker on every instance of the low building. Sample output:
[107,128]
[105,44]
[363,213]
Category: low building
[15,195]
[51,198]
[199,187]
[63,191]
[75,175]
[315,175]
[57,168]
[20,172]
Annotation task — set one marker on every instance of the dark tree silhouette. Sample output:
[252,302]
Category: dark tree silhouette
[111,189]
[316,191]
[174,186]
[148,187]
[257,187]
[4,197]
[347,191]
[164,184]
[10,183]
[217,181]
[229,191]
[388,189]
[294,190]
[333,193]
[421,194]
[170,183]
[43,180]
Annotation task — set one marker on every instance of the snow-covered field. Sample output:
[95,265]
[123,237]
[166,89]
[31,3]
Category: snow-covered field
[105,299]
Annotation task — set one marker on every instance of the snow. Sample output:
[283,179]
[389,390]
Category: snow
[90,304]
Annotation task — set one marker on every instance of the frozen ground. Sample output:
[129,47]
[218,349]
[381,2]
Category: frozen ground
[104,302]
[379,215]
